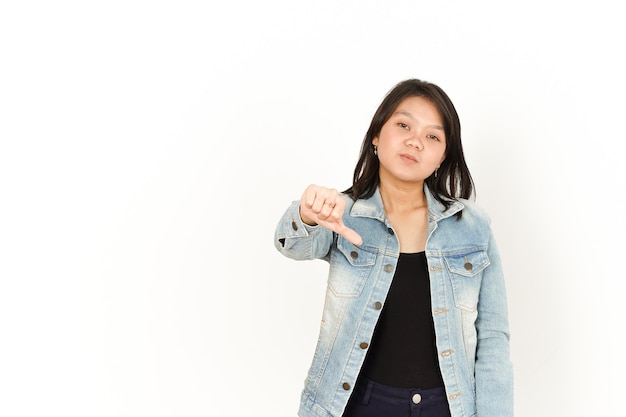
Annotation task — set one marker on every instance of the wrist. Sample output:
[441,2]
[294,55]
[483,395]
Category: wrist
[306,220]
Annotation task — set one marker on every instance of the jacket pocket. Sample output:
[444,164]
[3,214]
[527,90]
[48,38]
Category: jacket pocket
[350,267]
[465,275]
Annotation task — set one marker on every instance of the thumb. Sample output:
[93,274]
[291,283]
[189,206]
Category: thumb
[350,235]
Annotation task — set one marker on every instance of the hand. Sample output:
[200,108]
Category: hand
[325,206]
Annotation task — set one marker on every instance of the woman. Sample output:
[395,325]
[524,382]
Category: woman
[415,319]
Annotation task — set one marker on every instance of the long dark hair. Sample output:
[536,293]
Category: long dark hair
[453,178]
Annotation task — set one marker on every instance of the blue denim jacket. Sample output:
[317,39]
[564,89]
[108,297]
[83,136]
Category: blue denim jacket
[468,300]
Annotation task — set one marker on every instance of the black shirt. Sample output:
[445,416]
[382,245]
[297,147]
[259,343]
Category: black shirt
[402,352]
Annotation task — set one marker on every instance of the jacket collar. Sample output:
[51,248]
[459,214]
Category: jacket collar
[373,207]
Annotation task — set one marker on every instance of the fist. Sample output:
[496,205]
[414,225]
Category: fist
[325,206]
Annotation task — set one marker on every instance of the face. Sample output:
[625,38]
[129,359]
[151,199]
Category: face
[412,143]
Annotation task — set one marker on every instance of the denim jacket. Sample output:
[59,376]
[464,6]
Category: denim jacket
[468,303]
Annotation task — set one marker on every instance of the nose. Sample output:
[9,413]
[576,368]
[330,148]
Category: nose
[415,142]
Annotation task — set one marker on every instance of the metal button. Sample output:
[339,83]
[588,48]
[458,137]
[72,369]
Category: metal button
[378,305]
[363,345]
[388,268]
[417,398]
[354,254]
[390,230]
[294,226]
[346,386]
[468,266]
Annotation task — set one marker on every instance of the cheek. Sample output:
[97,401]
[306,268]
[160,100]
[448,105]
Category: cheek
[438,156]
[442,152]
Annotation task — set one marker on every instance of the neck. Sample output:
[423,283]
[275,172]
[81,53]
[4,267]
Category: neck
[402,198]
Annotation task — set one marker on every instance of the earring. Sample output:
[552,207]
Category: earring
[436,172]
[375,150]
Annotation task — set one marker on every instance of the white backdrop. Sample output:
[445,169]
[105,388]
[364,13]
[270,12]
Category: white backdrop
[149,148]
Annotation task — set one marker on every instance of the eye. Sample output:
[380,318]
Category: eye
[433,137]
[403,125]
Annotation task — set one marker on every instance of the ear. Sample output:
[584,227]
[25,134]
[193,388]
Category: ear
[375,141]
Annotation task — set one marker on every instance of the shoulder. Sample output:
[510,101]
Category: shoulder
[473,224]
[475,212]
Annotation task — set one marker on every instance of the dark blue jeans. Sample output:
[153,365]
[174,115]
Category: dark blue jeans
[371,399]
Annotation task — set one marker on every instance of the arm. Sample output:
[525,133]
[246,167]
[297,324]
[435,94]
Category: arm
[493,369]
[297,240]
[319,206]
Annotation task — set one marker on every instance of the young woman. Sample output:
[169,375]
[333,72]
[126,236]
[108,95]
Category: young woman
[415,319]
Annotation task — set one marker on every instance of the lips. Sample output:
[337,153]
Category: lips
[408,157]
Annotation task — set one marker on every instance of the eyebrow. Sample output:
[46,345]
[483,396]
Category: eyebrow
[410,116]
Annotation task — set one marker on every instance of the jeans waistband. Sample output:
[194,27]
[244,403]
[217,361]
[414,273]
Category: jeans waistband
[392,395]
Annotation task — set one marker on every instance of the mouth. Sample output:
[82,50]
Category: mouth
[408,157]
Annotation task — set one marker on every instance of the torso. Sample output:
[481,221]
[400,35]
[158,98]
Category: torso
[402,351]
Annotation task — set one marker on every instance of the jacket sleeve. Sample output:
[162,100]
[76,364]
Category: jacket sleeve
[297,240]
[493,368]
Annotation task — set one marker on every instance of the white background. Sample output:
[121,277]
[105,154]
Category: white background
[149,148]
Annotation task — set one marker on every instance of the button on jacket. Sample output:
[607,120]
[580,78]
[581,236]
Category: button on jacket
[468,300]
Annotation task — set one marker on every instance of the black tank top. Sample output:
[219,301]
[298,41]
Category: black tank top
[402,352]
